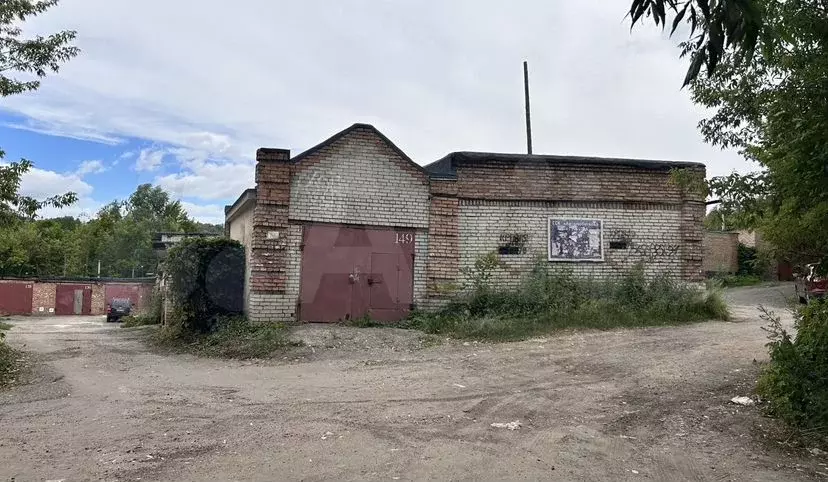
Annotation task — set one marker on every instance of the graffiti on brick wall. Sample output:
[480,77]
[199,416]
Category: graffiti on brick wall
[320,183]
[513,243]
[648,251]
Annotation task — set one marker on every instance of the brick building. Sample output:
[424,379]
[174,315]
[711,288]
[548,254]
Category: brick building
[62,296]
[354,227]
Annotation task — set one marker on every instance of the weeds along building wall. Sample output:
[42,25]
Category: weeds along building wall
[356,178]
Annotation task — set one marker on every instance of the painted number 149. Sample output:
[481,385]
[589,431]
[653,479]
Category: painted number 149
[404,238]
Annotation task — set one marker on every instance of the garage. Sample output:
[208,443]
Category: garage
[132,292]
[71,299]
[15,298]
[350,272]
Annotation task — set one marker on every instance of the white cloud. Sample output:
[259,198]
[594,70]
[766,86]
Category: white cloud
[90,167]
[150,159]
[206,213]
[210,180]
[41,184]
[434,76]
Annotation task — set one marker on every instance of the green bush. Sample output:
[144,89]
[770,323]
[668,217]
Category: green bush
[8,361]
[205,282]
[796,380]
[144,319]
[231,337]
[548,300]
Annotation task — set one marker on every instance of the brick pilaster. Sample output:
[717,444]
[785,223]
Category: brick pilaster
[443,268]
[693,209]
[270,221]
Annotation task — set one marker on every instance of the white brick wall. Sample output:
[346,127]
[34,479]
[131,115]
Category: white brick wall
[358,182]
[655,240]
[355,180]
[241,229]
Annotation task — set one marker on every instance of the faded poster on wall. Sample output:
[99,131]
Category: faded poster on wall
[575,240]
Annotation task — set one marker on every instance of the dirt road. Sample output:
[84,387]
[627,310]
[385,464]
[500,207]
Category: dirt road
[376,404]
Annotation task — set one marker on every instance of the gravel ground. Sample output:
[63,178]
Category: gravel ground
[388,404]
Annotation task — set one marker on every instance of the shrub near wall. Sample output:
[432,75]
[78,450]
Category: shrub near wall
[549,299]
[206,282]
[796,380]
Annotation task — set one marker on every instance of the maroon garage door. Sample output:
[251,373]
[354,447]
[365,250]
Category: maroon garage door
[133,293]
[350,272]
[16,298]
[73,300]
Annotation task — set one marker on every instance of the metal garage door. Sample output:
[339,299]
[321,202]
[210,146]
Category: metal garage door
[348,272]
[133,293]
[73,300]
[16,298]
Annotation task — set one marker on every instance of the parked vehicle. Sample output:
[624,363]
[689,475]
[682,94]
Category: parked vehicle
[809,284]
[118,308]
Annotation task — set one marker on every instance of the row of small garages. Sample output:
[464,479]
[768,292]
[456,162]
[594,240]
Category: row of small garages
[69,297]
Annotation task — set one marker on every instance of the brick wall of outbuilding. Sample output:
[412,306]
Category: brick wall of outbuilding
[43,298]
[659,222]
[359,179]
[721,252]
[356,180]
[651,232]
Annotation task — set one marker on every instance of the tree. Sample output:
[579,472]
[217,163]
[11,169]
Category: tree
[773,108]
[770,102]
[715,27]
[26,57]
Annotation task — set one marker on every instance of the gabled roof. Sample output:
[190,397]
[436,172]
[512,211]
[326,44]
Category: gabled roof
[447,166]
[339,135]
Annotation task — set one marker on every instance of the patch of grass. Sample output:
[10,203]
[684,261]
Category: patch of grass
[734,280]
[5,326]
[139,320]
[233,337]
[365,322]
[547,301]
[8,362]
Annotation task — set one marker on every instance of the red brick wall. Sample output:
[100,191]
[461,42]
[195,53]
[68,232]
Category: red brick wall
[43,298]
[444,240]
[550,182]
[721,252]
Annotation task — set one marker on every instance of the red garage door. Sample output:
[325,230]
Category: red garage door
[133,293]
[73,300]
[350,272]
[16,298]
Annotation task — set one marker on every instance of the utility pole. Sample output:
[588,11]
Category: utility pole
[528,114]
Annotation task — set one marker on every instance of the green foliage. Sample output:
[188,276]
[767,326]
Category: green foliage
[144,319]
[550,300]
[232,337]
[29,57]
[734,280]
[796,379]
[8,362]
[773,107]
[33,56]
[715,27]
[205,281]
[120,237]
[8,358]
[479,275]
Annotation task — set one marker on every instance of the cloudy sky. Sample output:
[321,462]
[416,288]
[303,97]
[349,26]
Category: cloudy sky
[181,93]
